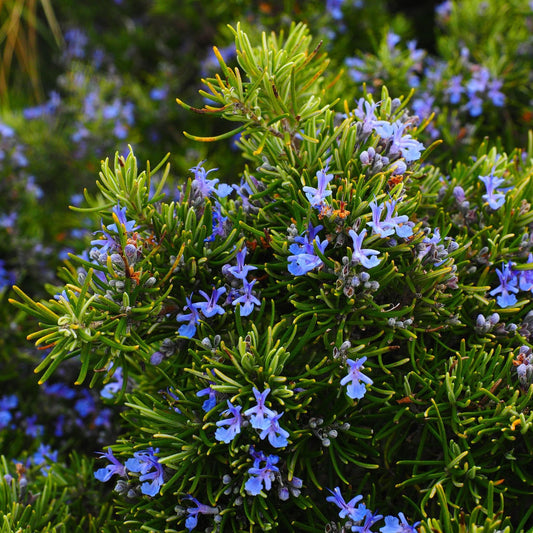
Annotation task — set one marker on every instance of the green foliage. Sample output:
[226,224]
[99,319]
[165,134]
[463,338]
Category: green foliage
[59,501]
[443,430]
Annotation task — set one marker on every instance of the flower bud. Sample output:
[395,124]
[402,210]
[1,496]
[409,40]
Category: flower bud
[156,358]
[494,318]
[130,251]
[296,482]
[283,494]
[117,260]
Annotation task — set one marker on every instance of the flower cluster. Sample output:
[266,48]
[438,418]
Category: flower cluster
[480,86]
[145,463]
[398,224]
[361,519]
[511,282]
[261,476]
[260,417]
[396,149]
[457,90]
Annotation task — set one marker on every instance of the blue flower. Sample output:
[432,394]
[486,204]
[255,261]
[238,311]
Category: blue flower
[86,404]
[334,7]
[245,191]
[159,93]
[76,41]
[103,418]
[59,389]
[317,196]
[211,394]
[218,223]
[247,299]
[474,105]
[271,429]
[5,418]
[147,464]
[8,401]
[48,108]
[211,400]
[356,389]
[525,277]
[395,525]
[8,221]
[189,329]
[241,270]
[494,93]
[346,509]
[120,217]
[302,263]
[508,285]
[391,223]
[192,519]
[6,404]
[62,296]
[210,307]
[206,187]
[44,454]
[58,426]
[6,131]
[305,259]
[156,358]
[32,429]
[110,389]
[460,197]
[493,197]
[106,242]
[258,413]
[399,222]
[479,80]
[365,256]
[260,477]
[116,467]
[200,183]
[455,89]
[392,39]
[415,54]
[366,113]
[234,424]
[357,67]
[443,10]
[410,148]
[400,143]
[377,226]
[429,244]
[369,518]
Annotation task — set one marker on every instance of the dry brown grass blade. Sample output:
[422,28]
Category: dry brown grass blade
[18,39]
